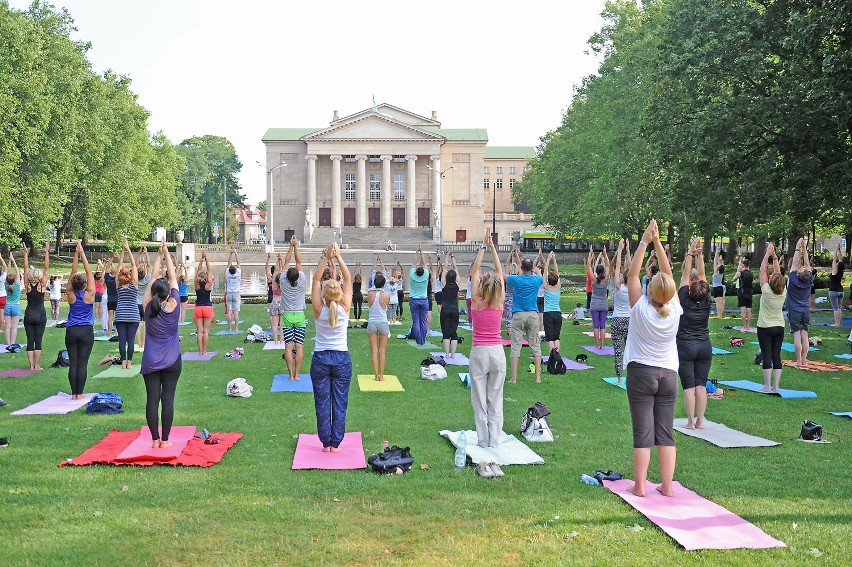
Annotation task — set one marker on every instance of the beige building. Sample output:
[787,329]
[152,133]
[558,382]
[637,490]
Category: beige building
[388,168]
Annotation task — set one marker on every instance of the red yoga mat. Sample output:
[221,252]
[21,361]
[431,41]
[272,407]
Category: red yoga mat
[195,453]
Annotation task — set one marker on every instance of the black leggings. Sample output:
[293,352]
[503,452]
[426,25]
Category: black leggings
[35,321]
[126,338]
[449,324]
[79,340]
[400,295]
[160,386]
[770,339]
[358,304]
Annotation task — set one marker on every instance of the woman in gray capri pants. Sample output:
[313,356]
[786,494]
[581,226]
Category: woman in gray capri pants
[377,324]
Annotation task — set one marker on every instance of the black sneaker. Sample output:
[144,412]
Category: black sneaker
[4,442]
[3,402]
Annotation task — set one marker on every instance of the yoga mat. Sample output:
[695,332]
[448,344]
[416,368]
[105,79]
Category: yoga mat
[185,323]
[269,345]
[788,347]
[196,356]
[282,383]
[309,453]
[819,366]
[368,383]
[569,364]
[755,387]
[435,333]
[749,330]
[140,448]
[842,413]
[717,350]
[60,403]
[466,327]
[605,351]
[226,332]
[507,342]
[16,373]
[195,453]
[225,322]
[721,435]
[613,380]
[592,334]
[425,346]
[116,371]
[843,355]
[692,521]
[102,338]
[509,451]
[458,360]
[465,378]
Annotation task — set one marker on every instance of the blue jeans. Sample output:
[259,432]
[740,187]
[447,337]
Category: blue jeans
[331,374]
[419,312]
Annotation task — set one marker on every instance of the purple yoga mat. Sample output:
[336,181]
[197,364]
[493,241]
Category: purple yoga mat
[693,521]
[60,403]
[569,364]
[196,356]
[605,351]
[16,373]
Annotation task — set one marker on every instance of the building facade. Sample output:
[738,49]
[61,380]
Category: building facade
[386,167]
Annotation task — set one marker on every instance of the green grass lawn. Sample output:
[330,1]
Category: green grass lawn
[252,509]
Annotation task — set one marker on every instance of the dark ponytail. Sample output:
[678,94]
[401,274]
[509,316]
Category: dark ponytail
[159,295]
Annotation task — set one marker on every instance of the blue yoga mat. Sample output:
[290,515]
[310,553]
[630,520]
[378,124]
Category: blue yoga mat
[789,347]
[221,333]
[842,413]
[717,350]
[755,387]
[282,383]
[843,356]
[614,381]
[465,378]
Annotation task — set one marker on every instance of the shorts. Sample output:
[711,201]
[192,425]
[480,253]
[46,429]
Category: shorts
[294,320]
[719,291]
[99,297]
[275,307]
[203,312]
[695,358]
[439,297]
[232,301]
[184,298]
[294,334]
[836,299]
[3,302]
[552,325]
[12,310]
[379,328]
[112,305]
[539,302]
[525,323]
[744,301]
[799,320]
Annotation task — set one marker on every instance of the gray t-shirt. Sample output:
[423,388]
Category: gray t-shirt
[143,286]
[293,297]
[599,302]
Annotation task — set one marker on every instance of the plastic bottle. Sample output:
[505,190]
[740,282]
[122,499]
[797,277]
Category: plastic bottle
[461,450]
[385,446]
[590,480]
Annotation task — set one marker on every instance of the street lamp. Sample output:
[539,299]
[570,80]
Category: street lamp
[441,201]
[270,205]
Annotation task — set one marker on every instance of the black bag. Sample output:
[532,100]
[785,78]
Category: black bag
[438,359]
[539,410]
[105,403]
[811,431]
[555,364]
[62,360]
[391,459]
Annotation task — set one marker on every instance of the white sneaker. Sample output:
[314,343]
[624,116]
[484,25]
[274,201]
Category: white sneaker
[484,470]
[495,468]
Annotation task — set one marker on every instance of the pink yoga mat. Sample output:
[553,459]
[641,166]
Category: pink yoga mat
[140,448]
[694,522]
[591,334]
[60,403]
[196,356]
[605,351]
[309,454]
[16,373]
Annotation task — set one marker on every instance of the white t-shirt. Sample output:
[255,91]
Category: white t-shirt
[620,302]
[2,284]
[56,289]
[469,293]
[232,281]
[651,339]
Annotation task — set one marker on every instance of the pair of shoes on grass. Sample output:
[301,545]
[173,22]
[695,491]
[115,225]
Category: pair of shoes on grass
[607,475]
[489,470]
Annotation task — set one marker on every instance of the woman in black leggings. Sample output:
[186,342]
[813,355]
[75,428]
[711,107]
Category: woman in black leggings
[161,362]
[80,327]
[35,317]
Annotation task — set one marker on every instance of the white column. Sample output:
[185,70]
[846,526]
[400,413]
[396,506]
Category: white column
[361,192]
[437,198]
[410,194]
[312,188]
[387,192]
[336,192]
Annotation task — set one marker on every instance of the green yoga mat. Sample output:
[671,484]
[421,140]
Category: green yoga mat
[116,371]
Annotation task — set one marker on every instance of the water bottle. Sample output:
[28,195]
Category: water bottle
[590,480]
[461,450]
[385,446]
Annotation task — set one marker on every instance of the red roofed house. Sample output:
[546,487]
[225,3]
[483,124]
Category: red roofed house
[252,223]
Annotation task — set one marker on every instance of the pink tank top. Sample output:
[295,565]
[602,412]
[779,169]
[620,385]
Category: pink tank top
[486,326]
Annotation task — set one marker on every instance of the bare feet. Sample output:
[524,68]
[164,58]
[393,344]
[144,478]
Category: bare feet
[665,492]
[326,449]
[766,389]
[690,425]
[334,449]
[634,490]
[512,381]
[164,444]
[155,444]
[699,424]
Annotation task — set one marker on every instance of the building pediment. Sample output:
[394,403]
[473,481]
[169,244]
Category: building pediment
[372,126]
[391,111]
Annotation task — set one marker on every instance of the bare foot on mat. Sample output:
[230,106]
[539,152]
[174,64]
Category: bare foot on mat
[634,490]
[664,492]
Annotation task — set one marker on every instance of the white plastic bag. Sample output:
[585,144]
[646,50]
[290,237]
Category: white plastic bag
[433,372]
[239,388]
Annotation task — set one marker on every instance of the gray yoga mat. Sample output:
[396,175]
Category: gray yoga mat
[721,435]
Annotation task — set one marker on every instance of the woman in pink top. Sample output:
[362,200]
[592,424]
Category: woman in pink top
[487,357]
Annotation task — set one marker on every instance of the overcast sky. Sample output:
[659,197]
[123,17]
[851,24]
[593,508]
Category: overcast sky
[235,69]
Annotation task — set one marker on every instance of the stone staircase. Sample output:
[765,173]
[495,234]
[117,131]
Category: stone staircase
[373,238]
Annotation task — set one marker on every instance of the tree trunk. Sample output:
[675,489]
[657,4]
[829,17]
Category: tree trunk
[759,251]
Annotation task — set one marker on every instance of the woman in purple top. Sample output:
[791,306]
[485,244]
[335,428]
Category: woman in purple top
[79,329]
[161,362]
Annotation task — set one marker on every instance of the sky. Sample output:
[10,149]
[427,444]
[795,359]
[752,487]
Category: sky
[236,69]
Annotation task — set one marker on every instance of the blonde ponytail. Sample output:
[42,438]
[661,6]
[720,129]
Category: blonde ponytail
[661,289]
[332,293]
[332,313]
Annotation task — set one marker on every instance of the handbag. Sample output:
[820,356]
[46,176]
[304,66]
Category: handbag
[391,459]
[811,431]
[538,410]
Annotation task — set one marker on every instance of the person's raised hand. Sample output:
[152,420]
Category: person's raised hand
[26,250]
[80,246]
[293,241]
[47,248]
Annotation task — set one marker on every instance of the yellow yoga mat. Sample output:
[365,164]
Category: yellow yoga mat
[368,383]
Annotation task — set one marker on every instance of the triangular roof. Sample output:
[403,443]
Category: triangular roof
[394,112]
[369,125]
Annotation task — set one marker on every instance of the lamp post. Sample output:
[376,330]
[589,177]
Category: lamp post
[270,205]
[441,201]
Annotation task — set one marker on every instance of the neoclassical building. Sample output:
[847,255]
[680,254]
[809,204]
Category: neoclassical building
[386,167]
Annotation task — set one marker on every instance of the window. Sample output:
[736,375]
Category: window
[399,159]
[349,187]
[499,183]
[486,184]
[375,186]
[512,170]
[512,183]
[499,170]
[487,170]
[349,158]
[526,168]
[375,159]
[399,186]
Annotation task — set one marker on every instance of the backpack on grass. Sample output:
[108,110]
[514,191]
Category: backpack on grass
[62,360]
[105,403]
[393,460]
[555,364]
